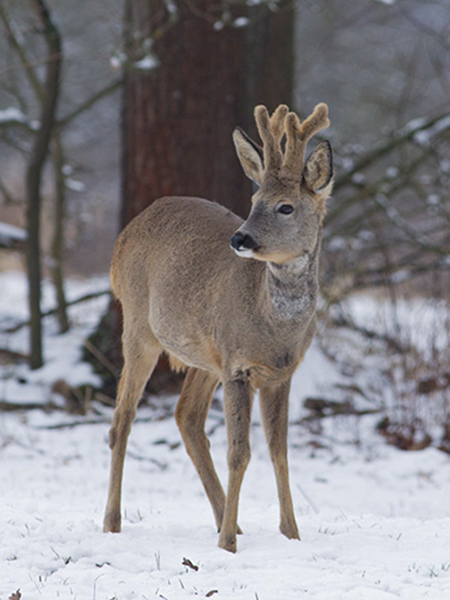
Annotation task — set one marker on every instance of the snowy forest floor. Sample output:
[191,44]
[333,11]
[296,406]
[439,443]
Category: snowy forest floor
[374,520]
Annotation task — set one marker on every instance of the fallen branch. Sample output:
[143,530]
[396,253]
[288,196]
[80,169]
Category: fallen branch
[31,405]
[324,407]
[10,356]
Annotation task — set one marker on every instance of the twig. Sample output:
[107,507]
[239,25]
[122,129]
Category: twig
[13,356]
[342,321]
[30,405]
[101,358]
[162,466]
[307,498]
[111,87]
[187,562]
[53,311]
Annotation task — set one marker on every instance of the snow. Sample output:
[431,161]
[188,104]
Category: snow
[62,353]
[75,185]
[171,7]
[374,521]
[118,60]
[12,115]
[148,63]
[241,22]
[10,234]
[423,136]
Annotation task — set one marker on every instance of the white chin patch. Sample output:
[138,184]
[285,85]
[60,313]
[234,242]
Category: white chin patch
[244,252]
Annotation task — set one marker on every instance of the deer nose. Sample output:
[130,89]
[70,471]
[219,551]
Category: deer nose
[242,240]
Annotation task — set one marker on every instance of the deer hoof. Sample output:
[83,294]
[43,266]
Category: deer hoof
[112,524]
[290,531]
[228,543]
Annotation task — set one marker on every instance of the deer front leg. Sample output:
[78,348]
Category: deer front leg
[274,411]
[237,404]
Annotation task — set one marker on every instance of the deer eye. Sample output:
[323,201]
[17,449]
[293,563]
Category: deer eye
[285,209]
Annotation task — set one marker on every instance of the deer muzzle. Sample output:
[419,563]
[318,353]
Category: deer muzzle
[243,244]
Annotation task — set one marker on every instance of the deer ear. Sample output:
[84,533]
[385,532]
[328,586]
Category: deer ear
[250,155]
[318,170]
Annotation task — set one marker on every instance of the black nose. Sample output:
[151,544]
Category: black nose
[242,240]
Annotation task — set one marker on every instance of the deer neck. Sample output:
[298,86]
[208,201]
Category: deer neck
[293,287]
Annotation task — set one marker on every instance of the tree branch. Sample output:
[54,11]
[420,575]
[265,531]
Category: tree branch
[26,63]
[111,87]
[379,150]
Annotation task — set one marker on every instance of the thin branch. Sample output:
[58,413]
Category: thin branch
[111,87]
[7,195]
[53,311]
[342,321]
[8,123]
[382,149]
[423,27]
[20,51]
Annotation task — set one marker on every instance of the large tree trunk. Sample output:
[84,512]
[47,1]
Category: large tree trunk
[178,118]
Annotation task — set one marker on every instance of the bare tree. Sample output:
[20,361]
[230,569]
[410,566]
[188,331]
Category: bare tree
[38,156]
[391,220]
[37,97]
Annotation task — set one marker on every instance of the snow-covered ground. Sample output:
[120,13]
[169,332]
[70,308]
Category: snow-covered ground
[375,521]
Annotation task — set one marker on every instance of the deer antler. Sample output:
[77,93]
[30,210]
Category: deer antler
[271,130]
[298,134]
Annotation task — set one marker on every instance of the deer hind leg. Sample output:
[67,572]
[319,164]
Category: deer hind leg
[141,351]
[238,405]
[274,411]
[190,414]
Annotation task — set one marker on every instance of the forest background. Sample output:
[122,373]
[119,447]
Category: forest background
[107,106]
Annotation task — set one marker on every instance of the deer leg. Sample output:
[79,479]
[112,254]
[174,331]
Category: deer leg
[190,414]
[140,355]
[237,405]
[274,410]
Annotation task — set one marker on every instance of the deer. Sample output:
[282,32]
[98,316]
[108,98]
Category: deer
[229,301]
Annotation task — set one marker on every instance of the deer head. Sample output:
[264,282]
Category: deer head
[289,206]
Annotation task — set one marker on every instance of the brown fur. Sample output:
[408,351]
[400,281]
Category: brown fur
[245,323]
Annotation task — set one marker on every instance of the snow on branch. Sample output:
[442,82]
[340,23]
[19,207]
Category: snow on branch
[11,236]
[14,116]
[420,130]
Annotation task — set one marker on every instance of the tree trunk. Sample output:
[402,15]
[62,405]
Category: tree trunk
[57,248]
[178,118]
[36,162]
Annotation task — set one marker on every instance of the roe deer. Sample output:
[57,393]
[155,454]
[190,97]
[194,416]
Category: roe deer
[246,322]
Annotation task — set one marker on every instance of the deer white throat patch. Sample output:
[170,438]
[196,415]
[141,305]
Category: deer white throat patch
[289,297]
